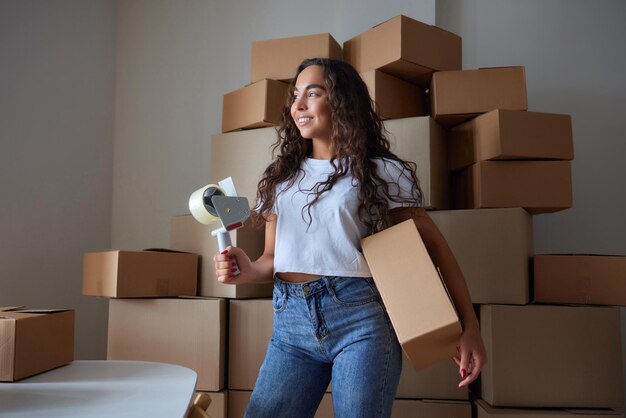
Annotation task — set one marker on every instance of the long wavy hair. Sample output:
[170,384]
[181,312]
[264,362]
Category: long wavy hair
[358,138]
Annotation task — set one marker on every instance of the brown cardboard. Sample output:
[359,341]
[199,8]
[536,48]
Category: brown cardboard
[394,97]
[187,234]
[580,279]
[230,149]
[510,135]
[422,141]
[456,96]
[218,407]
[426,408]
[278,59]
[238,402]
[484,410]
[250,331]
[391,47]
[254,106]
[418,304]
[552,356]
[34,341]
[438,381]
[494,248]
[121,274]
[537,186]
[190,332]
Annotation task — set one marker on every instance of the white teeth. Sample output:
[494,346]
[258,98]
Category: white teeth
[304,120]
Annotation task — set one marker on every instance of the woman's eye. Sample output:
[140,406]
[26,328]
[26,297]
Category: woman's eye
[313,94]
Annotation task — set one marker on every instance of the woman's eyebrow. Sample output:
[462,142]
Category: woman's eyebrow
[311,86]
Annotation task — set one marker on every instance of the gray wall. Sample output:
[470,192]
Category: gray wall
[56,133]
[573,51]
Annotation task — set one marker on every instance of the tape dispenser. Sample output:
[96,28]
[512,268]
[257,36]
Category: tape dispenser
[220,202]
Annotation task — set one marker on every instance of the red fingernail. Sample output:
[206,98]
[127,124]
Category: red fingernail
[233,270]
[463,373]
[233,264]
[224,252]
[231,257]
[230,276]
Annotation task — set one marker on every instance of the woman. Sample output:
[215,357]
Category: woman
[334,182]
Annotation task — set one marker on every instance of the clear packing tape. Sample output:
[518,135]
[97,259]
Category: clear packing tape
[200,204]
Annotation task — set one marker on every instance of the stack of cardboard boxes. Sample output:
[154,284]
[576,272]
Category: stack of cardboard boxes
[504,164]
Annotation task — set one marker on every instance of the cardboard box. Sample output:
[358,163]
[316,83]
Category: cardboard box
[580,279]
[537,186]
[34,341]
[494,248]
[254,106]
[552,356]
[423,141]
[218,407]
[510,135]
[150,273]
[426,408]
[391,47]
[484,410]
[456,96]
[250,331]
[438,381]
[238,402]
[278,59]
[395,98]
[420,309]
[190,332]
[230,149]
[187,234]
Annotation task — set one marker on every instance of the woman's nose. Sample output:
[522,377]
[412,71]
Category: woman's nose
[299,103]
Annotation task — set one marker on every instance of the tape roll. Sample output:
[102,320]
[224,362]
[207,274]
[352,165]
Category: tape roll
[200,204]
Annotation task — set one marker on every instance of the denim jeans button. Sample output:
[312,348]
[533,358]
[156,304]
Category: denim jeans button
[306,289]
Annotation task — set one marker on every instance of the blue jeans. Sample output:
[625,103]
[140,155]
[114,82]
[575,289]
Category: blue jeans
[332,327]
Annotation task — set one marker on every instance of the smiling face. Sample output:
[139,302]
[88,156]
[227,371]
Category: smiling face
[310,110]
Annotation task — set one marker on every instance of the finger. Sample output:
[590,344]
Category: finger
[473,375]
[464,364]
[456,360]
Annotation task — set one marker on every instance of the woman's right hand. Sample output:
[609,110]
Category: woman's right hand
[227,262]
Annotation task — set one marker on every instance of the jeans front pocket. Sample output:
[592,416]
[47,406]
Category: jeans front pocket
[279,298]
[353,291]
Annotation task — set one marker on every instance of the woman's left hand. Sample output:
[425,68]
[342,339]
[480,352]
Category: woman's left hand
[472,355]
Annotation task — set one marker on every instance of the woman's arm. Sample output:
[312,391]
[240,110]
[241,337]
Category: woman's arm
[259,271]
[471,347]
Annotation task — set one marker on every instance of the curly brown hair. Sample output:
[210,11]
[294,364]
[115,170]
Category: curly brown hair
[358,137]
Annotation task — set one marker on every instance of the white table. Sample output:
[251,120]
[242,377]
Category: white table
[108,389]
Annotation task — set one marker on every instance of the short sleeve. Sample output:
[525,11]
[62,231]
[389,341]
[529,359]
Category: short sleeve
[402,189]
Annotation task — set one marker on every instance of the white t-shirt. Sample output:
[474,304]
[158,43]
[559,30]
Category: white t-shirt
[330,245]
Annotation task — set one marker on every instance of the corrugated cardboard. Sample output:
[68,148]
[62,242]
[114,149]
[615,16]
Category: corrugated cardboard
[456,96]
[278,59]
[392,47]
[494,248]
[484,410]
[438,381]
[395,98]
[552,356]
[34,341]
[254,106]
[238,402]
[250,331]
[423,141]
[229,150]
[537,186]
[418,304]
[580,279]
[127,274]
[218,407]
[190,332]
[510,135]
[426,408]
[187,234]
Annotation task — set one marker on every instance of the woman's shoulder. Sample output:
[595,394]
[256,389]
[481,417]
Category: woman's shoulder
[390,167]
